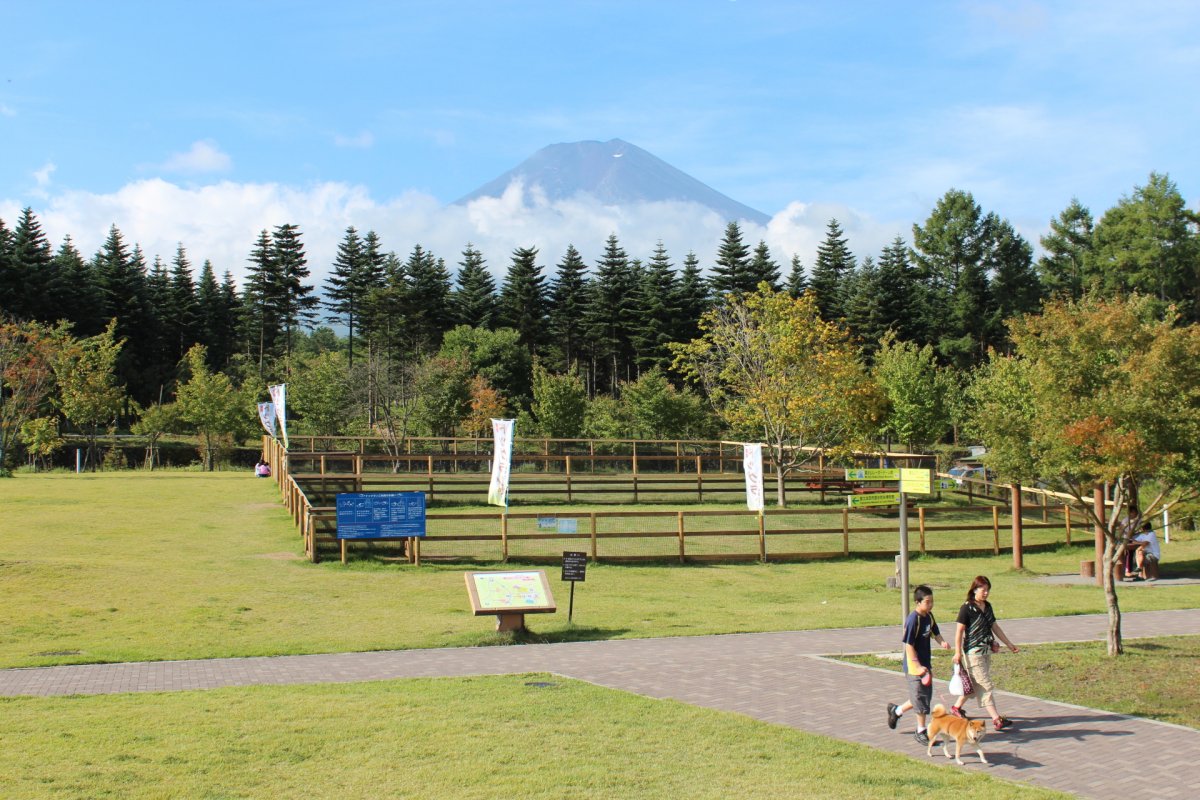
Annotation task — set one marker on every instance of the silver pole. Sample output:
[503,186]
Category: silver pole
[903,558]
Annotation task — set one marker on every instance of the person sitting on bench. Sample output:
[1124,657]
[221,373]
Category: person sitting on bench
[1146,552]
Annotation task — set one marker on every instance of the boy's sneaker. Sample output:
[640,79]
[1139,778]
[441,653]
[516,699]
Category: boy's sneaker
[922,738]
[955,711]
[892,716]
[1002,723]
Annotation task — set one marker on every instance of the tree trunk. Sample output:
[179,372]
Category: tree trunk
[780,486]
[1115,647]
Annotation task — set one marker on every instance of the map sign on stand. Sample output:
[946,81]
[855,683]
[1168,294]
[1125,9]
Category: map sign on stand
[510,596]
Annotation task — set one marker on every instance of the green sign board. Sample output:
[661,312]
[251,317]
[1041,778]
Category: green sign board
[874,499]
[872,474]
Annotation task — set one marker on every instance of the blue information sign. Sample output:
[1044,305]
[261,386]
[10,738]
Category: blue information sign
[380,515]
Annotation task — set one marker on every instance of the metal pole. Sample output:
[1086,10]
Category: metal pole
[571,607]
[903,557]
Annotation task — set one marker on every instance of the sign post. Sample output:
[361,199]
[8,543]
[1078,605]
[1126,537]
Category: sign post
[911,481]
[574,568]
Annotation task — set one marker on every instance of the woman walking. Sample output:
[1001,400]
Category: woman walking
[974,643]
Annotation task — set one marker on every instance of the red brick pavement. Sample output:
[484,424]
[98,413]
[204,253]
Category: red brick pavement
[784,678]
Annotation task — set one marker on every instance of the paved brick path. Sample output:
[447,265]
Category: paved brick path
[782,678]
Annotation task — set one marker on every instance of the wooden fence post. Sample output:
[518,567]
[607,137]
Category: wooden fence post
[921,524]
[679,521]
[568,471]
[635,473]
[593,519]
[1017,529]
[996,530]
[762,538]
[1067,517]
[504,537]
[845,531]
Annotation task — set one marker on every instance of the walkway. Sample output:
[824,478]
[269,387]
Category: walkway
[782,678]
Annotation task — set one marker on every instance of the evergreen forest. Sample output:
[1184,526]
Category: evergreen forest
[406,341]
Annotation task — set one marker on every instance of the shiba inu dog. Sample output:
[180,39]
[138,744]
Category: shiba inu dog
[960,730]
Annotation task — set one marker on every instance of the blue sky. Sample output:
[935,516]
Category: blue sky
[203,123]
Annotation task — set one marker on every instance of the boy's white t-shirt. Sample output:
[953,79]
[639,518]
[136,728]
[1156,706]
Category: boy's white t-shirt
[1152,549]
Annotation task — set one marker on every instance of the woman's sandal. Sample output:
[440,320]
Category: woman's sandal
[1002,723]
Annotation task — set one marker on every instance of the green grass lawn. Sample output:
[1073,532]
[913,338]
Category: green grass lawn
[440,738]
[1154,678]
[152,566]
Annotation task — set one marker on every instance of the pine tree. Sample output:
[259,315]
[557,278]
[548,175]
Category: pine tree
[693,300]
[1066,250]
[262,302]
[298,305]
[796,282]
[429,298]
[182,327]
[609,317]
[522,303]
[731,274]
[900,296]
[210,316]
[474,302]
[122,278]
[348,284]
[863,313]
[10,281]
[657,311]
[763,268]
[32,265]
[1014,285]
[374,279]
[834,262]
[78,296]
[568,300]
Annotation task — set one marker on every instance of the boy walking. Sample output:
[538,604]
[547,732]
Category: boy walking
[919,628]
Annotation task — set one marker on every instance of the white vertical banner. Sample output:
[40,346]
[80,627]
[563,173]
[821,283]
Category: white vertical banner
[502,434]
[266,415]
[752,466]
[279,398]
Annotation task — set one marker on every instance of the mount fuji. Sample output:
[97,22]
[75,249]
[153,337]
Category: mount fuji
[615,173]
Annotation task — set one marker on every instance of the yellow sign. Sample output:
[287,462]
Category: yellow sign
[874,499]
[915,481]
[873,474]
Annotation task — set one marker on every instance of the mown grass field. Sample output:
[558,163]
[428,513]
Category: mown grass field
[137,566]
[478,738]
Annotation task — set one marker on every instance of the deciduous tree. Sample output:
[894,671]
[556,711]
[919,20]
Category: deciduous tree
[1098,392]
[774,369]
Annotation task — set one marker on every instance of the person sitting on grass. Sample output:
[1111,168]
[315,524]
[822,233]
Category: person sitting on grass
[919,628]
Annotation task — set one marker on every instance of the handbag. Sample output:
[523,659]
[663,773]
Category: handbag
[960,684]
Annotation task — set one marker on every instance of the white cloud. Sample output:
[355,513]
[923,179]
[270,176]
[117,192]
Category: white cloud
[7,111]
[221,221]
[362,141]
[42,176]
[203,157]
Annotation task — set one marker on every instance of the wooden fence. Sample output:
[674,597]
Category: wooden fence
[661,535]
